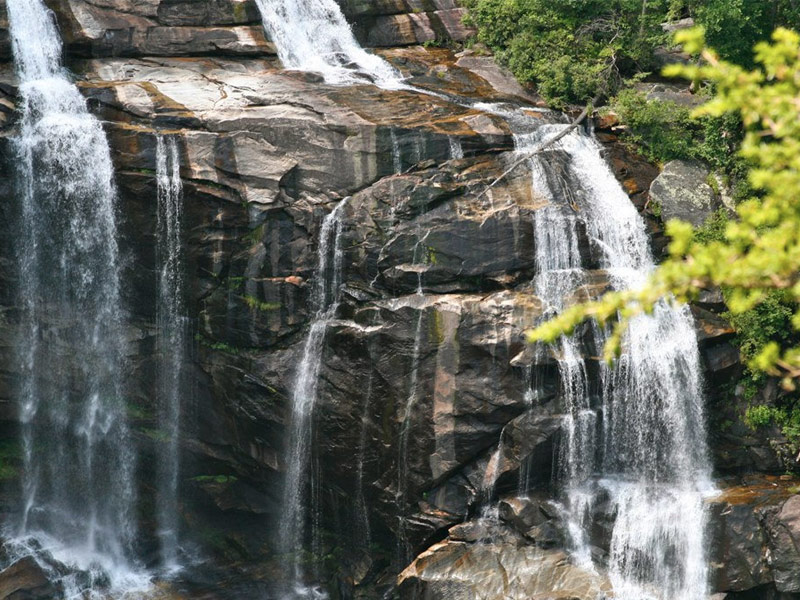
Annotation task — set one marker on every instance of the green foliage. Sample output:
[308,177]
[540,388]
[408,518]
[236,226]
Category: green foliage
[733,27]
[660,130]
[572,50]
[10,456]
[756,261]
[713,230]
[787,417]
[759,416]
[768,321]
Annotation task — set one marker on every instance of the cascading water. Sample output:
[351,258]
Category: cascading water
[313,35]
[171,343]
[78,458]
[635,438]
[456,150]
[652,464]
[302,477]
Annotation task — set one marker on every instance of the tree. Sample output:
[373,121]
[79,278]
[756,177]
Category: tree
[571,49]
[758,253]
[733,27]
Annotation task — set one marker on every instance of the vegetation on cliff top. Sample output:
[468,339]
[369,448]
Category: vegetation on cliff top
[575,50]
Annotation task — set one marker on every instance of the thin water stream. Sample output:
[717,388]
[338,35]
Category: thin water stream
[172,343]
[302,476]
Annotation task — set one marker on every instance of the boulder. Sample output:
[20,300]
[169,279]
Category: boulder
[682,192]
[413,28]
[753,533]
[497,570]
[25,579]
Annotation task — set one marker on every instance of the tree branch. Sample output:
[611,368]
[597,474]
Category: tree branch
[546,144]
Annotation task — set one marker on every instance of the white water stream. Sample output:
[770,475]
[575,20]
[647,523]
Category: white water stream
[644,447]
[313,35]
[302,477]
[78,457]
[172,343]
[78,496]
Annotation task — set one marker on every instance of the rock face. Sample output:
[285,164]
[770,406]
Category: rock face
[232,27]
[682,192]
[26,580]
[497,571]
[436,296]
[753,536]
[783,531]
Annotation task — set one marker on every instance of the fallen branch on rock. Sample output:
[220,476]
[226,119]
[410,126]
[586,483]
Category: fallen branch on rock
[546,144]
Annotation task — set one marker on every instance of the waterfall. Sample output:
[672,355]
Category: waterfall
[313,35]
[456,150]
[171,343]
[397,157]
[635,439]
[652,462]
[78,496]
[302,472]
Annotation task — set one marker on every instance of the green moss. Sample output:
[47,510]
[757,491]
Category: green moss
[138,412]
[10,456]
[713,183]
[235,283]
[655,209]
[221,346]
[257,304]
[436,325]
[430,255]
[215,478]
[157,435]
[143,171]
[239,12]
[255,235]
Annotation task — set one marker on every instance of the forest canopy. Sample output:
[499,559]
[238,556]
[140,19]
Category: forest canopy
[576,50]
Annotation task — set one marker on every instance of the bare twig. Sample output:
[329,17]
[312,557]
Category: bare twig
[546,144]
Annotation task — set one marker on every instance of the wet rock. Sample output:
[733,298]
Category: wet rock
[752,535]
[736,446]
[712,299]
[522,512]
[664,92]
[710,326]
[721,360]
[413,28]
[783,531]
[25,579]
[110,28]
[456,570]
[528,443]
[682,192]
